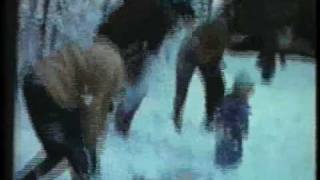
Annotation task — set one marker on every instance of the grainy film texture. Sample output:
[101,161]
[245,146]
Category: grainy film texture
[166,90]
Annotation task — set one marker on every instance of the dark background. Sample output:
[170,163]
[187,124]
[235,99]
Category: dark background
[8,76]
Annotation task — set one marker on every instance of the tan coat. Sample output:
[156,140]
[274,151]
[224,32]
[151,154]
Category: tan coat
[74,73]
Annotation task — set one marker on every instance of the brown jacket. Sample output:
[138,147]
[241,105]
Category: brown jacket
[74,73]
[206,44]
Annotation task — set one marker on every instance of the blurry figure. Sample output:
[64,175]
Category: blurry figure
[284,42]
[231,122]
[204,49]
[138,28]
[305,23]
[286,26]
[266,58]
[68,96]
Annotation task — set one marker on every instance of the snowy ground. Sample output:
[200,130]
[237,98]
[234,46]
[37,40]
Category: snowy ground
[280,145]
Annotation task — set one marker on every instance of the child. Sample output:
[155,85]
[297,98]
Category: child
[231,121]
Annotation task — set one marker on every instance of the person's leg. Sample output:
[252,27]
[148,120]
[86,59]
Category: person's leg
[184,72]
[129,105]
[267,65]
[44,167]
[214,90]
[283,61]
[58,129]
[77,149]
[78,159]
[266,59]
[135,63]
[43,112]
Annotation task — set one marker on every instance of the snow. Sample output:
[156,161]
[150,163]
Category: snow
[280,145]
[281,140]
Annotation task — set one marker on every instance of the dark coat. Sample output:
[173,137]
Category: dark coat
[206,44]
[232,120]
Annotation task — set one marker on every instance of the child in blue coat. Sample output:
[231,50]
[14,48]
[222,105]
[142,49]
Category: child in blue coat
[231,122]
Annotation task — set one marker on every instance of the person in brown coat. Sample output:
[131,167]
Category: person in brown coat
[204,49]
[68,96]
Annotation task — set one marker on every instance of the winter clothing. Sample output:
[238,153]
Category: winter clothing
[232,119]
